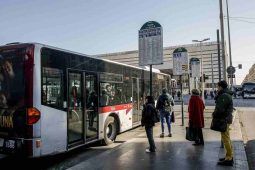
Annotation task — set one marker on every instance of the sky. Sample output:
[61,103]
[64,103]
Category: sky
[107,26]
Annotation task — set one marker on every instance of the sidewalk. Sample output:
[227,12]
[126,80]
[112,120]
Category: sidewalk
[247,118]
[172,153]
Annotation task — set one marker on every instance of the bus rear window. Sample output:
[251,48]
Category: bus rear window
[12,86]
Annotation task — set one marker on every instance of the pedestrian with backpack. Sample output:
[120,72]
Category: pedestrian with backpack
[149,118]
[165,105]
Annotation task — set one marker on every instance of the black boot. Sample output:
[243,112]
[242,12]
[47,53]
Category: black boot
[226,162]
[221,159]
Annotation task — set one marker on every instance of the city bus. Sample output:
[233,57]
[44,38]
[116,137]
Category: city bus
[248,90]
[237,89]
[54,100]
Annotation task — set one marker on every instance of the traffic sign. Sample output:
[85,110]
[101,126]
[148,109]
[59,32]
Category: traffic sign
[231,76]
[180,61]
[150,44]
[195,67]
[231,70]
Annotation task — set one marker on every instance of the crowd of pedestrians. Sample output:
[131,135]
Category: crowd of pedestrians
[221,117]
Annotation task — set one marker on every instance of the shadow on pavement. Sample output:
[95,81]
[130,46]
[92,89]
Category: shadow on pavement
[250,151]
[59,161]
[170,155]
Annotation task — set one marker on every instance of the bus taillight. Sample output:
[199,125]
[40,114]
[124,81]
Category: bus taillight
[33,115]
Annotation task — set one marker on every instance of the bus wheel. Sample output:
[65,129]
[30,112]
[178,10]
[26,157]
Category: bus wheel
[110,130]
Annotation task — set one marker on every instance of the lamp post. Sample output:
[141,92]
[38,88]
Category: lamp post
[222,40]
[202,72]
[229,45]
[212,72]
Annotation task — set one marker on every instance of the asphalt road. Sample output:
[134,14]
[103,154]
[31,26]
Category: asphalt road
[238,102]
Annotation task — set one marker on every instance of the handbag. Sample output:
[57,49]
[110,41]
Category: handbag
[219,125]
[156,117]
[172,117]
[190,134]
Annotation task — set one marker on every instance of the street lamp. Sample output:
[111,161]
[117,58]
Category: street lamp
[229,45]
[202,72]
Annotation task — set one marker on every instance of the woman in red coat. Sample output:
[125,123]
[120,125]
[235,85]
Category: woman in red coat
[196,116]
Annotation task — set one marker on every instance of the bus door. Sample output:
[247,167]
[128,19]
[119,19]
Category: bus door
[91,106]
[75,113]
[136,101]
[82,107]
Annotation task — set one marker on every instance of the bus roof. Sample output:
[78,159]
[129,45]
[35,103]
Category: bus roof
[85,55]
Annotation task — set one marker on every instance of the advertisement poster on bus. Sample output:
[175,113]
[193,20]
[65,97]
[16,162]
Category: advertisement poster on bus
[180,61]
[195,67]
[150,44]
[12,86]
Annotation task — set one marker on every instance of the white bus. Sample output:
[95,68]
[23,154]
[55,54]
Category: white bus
[248,90]
[53,100]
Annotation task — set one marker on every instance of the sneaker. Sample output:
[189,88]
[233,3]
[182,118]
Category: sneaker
[226,162]
[170,135]
[149,151]
[162,135]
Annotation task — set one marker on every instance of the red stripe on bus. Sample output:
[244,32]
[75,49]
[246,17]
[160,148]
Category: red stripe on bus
[115,108]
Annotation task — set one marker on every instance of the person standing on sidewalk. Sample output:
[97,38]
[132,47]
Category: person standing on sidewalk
[179,95]
[196,116]
[149,118]
[173,93]
[223,110]
[165,104]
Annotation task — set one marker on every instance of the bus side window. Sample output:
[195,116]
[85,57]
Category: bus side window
[111,94]
[52,81]
[118,96]
[127,92]
[104,98]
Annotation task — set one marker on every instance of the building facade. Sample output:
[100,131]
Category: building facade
[209,52]
[250,77]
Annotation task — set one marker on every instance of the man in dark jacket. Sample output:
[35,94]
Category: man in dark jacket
[164,105]
[149,117]
[223,110]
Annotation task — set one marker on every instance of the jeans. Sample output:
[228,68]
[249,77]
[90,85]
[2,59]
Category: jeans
[165,115]
[227,144]
[149,133]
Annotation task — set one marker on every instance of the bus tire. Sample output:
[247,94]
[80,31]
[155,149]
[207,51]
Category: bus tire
[110,130]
